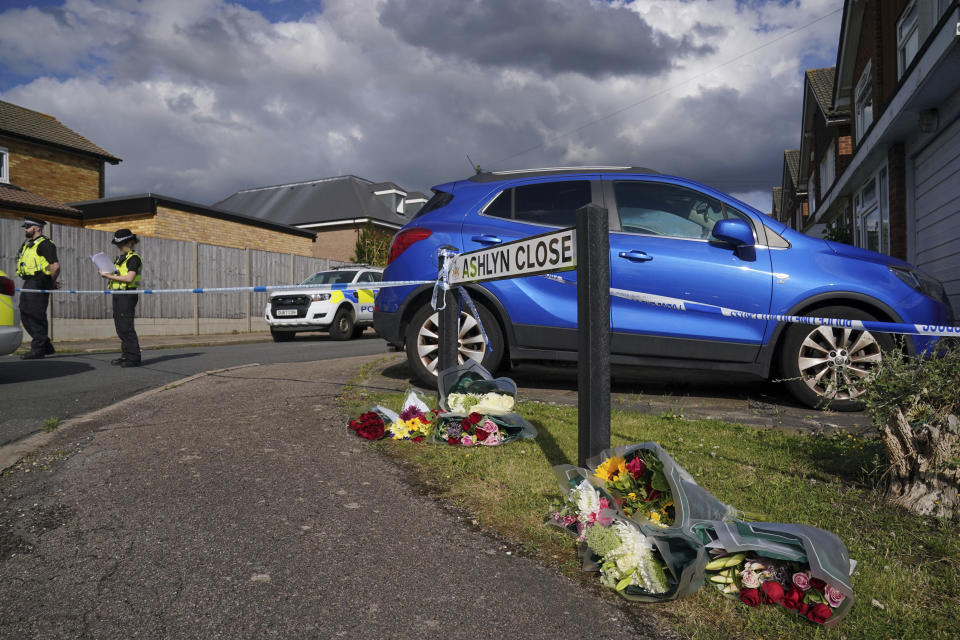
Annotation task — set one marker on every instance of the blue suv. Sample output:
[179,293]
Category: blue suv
[664,240]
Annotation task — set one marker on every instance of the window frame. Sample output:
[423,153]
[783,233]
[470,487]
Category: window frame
[4,165]
[909,20]
[828,168]
[863,96]
[879,184]
[512,190]
[728,210]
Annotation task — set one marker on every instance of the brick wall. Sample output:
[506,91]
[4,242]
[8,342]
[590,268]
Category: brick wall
[145,225]
[14,214]
[897,181]
[337,243]
[180,225]
[51,172]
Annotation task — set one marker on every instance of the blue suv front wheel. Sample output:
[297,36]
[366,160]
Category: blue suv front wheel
[422,342]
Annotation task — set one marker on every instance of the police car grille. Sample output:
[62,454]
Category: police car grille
[300,303]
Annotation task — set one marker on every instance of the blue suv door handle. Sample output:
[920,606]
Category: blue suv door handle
[487,239]
[636,256]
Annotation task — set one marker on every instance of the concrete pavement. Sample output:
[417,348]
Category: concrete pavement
[237,505]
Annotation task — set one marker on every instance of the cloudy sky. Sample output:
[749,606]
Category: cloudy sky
[201,98]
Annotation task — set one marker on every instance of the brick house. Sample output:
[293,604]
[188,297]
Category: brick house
[336,209]
[898,78]
[159,216]
[44,164]
[825,149]
[793,194]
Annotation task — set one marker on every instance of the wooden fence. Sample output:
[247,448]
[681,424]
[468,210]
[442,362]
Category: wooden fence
[168,264]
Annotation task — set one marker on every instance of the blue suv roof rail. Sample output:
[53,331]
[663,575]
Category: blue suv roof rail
[497,176]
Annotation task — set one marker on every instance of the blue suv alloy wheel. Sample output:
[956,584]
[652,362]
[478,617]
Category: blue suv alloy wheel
[670,237]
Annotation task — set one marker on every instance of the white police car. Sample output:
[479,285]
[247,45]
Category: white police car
[10,333]
[344,313]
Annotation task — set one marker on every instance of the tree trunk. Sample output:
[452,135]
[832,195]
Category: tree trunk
[921,478]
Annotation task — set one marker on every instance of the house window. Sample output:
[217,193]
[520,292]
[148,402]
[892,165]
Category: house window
[811,196]
[864,103]
[827,169]
[4,165]
[908,37]
[872,213]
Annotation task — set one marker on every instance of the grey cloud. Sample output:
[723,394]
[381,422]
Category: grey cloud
[548,36]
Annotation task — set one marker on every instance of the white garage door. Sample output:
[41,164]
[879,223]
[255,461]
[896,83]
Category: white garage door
[938,211]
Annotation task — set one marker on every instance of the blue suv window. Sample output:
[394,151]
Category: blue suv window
[548,203]
[659,209]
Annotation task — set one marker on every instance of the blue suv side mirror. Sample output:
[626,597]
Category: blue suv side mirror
[734,232]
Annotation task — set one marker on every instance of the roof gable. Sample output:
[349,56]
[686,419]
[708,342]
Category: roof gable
[33,125]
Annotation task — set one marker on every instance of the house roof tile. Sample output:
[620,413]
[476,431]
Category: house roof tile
[821,82]
[13,197]
[792,158]
[26,123]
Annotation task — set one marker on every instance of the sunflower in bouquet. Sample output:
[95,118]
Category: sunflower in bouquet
[639,486]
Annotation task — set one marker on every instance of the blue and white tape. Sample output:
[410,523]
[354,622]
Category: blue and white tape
[680,304]
[259,289]
[440,284]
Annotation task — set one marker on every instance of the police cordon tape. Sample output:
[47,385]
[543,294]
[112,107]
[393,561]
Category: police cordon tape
[677,304]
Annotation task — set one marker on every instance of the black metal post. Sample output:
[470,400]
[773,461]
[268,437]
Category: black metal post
[448,327]
[593,340]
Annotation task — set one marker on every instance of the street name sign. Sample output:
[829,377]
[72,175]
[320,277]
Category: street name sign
[545,253]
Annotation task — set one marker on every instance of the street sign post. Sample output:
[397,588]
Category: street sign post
[585,248]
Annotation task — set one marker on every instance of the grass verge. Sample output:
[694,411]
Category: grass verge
[907,580]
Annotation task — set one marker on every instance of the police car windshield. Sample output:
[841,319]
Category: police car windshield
[331,277]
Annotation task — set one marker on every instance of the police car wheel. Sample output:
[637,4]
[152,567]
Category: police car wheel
[827,367]
[342,326]
[282,336]
[422,344]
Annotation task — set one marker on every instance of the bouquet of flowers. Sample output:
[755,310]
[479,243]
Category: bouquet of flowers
[491,403]
[759,580]
[369,426]
[582,508]
[639,486]
[626,558]
[469,388]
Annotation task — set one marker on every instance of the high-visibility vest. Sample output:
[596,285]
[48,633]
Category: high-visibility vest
[29,262]
[122,270]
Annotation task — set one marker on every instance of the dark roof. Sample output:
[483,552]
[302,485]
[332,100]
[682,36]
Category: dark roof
[341,199]
[792,158]
[821,83]
[777,202]
[39,127]
[13,197]
[497,176]
[140,204]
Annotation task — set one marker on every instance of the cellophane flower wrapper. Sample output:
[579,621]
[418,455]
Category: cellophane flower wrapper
[703,522]
[817,553]
[509,427]
[469,388]
[682,559]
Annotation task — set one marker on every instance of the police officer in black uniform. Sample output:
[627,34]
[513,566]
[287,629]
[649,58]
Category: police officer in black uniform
[126,276]
[39,267]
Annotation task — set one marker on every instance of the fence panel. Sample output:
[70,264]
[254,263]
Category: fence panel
[168,264]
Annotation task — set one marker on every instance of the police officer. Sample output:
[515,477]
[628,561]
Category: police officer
[126,276]
[39,267]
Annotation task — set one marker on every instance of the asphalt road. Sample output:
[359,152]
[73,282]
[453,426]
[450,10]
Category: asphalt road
[71,384]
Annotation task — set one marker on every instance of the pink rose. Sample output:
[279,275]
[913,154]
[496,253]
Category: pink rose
[488,425]
[801,580]
[492,440]
[834,596]
[467,441]
[750,579]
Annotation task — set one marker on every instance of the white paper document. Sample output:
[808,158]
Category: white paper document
[103,263]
